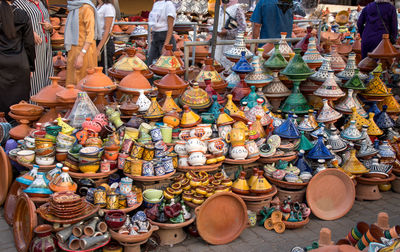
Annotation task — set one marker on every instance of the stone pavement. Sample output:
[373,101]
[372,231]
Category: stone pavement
[258,239]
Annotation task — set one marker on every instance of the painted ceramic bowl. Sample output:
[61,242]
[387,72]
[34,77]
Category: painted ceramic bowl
[25,156]
[153,195]
[92,167]
[115,219]
[90,151]
[305,176]
[291,178]
[278,174]
[44,160]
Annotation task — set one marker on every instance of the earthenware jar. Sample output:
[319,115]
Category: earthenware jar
[216,146]
[224,130]
[44,240]
[125,186]
[252,147]
[197,158]
[239,152]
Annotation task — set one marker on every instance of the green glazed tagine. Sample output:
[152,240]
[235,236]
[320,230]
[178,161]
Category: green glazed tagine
[276,62]
[297,69]
[296,102]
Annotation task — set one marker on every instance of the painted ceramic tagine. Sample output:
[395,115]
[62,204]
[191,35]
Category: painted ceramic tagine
[350,70]
[127,64]
[241,90]
[335,141]
[276,62]
[208,72]
[235,53]
[189,118]
[297,71]
[195,98]
[383,120]
[337,62]
[101,84]
[353,165]
[171,82]
[319,151]
[166,62]
[169,103]
[276,91]
[355,82]
[258,78]
[323,72]
[288,129]
[393,107]
[312,56]
[376,90]
[328,114]
[345,106]
[284,48]
[351,133]
[329,89]
[47,98]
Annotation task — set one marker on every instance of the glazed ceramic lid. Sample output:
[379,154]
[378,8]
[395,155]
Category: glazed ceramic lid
[68,95]
[195,97]
[221,218]
[208,72]
[47,95]
[134,82]
[98,82]
[367,64]
[330,194]
[130,62]
[385,49]
[322,74]
[312,55]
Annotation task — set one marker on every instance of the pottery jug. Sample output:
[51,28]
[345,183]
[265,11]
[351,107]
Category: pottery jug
[44,240]
[239,152]
[195,144]
[180,148]
[236,137]
[216,146]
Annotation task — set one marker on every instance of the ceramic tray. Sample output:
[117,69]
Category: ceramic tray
[170,226]
[132,238]
[212,167]
[79,175]
[5,175]
[330,194]
[126,210]
[150,178]
[294,225]
[25,220]
[375,181]
[273,159]
[64,246]
[285,184]
[89,210]
[221,218]
[11,203]
[246,161]
[260,197]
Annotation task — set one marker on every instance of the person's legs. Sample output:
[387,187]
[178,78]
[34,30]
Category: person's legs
[155,47]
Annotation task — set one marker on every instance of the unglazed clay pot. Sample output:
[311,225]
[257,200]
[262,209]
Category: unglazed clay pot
[171,82]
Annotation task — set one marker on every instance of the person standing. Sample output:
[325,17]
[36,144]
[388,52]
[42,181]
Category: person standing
[376,19]
[17,55]
[106,12]
[235,22]
[81,31]
[40,19]
[271,17]
[161,20]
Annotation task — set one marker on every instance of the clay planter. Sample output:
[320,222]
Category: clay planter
[295,195]
[25,109]
[221,218]
[171,234]
[25,220]
[171,82]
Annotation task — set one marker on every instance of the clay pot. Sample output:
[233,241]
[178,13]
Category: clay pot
[44,240]
[47,95]
[115,219]
[25,109]
[134,83]
[171,82]
[68,95]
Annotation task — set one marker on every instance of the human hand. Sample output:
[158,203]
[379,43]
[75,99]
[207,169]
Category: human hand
[47,26]
[98,52]
[79,61]
[223,32]
[37,38]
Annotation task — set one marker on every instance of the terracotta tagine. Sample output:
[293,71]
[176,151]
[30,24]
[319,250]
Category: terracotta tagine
[127,64]
[47,98]
[21,131]
[195,97]
[171,82]
[166,62]
[367,65]
[385,51]
[208,72]
[128,107]
[101,84]
[234,54]
[357,48]
[133,84]
[169,103]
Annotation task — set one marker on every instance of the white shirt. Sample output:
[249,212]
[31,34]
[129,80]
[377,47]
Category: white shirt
[105,10]
[158,17]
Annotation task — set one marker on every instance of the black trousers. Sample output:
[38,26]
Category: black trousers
[157,43]
[110,53]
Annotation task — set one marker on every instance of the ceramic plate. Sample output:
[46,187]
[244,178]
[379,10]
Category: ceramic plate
[11,203]
[221,218]
[330,194]
[5,175]
[25,220]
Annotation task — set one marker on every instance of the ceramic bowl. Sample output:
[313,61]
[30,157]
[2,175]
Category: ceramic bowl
[89,167]
[291,178]
[90,151]
[305,176]
[61,156]
[111,155]
[41,160]
[115,219]
[25,156]
[13,153]
[44,151]
[152,197]
[65,139]
[43,145]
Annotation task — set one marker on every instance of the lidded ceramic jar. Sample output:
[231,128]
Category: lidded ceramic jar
[328,114]
[44,240]
[208,72]
[195,97]
[234,53]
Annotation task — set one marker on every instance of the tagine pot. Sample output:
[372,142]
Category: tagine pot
[166,62]
[133,84]
[171,82]
[195,98]
[208,72]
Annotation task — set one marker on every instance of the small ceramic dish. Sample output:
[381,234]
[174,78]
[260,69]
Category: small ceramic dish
[41,160]
[25,156]
[90,151]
